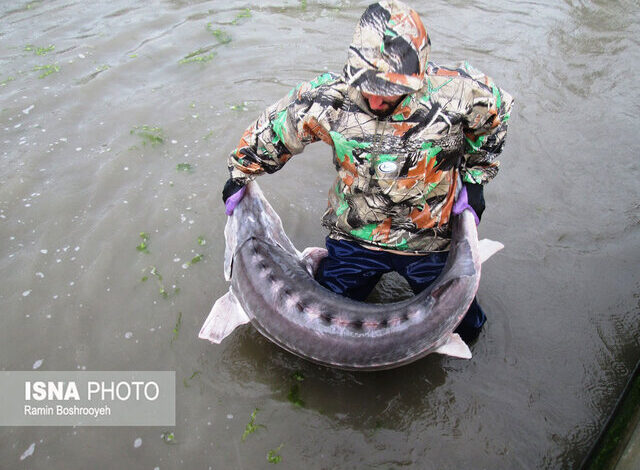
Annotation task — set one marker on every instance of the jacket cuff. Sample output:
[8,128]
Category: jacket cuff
[475,196]
[231,187]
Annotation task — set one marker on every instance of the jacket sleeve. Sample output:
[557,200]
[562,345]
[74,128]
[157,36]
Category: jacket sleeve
[280,132]
[485,128]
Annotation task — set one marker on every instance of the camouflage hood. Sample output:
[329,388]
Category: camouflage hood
[389,52]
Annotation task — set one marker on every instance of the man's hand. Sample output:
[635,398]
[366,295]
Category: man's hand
[471,198]
[232,193]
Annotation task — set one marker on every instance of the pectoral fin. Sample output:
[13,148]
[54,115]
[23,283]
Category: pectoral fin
[487,248]
[455,347]
[311,257]
[225,316]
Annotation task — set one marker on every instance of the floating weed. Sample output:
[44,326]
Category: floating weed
[239,107]
[168,437]
[39,50]
[221,36]
[46,70]
[10,79]
[196,259]
[197,56]
[208,136]
[195,374]
[149,135]
[176,329]
[186,167]
[273,456]
[294,396]
[201,241]
[102,68]
[303,4]
[156,273]
[246,13]
[163,290]
[251,426]
[165,294]
[133,56]
[143,247]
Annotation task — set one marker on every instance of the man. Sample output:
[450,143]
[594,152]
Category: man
[404,132]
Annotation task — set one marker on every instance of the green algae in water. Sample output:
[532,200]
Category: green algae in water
[143,247]
[186,167]
[201,241]
[197,56]
[195,259]
[273,456]
[163,290]
[176,329]
[195,374]
[10,79]
[39,50]
[46,70]
[221,36]
[156,273]
[246,13]
[251,426]
[294,396]
[239,107]
[149,135]
[168,437]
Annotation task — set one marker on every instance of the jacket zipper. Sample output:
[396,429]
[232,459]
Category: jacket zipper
[377,142]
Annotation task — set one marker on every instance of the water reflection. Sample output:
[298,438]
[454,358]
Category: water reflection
[563,328]
[356,400]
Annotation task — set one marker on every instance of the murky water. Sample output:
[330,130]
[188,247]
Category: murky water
[81,178]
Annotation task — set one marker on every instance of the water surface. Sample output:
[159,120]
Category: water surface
[79,182]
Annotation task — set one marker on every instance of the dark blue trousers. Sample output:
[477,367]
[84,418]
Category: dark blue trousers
[353,271]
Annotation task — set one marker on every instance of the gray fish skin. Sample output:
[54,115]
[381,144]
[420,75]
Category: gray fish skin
[287,306]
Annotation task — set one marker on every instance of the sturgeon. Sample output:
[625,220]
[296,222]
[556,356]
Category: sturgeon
[272,286]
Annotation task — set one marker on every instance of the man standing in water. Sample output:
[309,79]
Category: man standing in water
[412,143]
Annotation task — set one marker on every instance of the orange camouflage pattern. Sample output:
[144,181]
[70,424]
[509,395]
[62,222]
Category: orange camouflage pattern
[397,173]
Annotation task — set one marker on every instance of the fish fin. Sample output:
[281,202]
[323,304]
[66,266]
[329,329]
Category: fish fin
[225,316]
[455,347]
[487,248]
[311,257]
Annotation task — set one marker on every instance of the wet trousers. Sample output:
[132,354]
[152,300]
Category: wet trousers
[353,271]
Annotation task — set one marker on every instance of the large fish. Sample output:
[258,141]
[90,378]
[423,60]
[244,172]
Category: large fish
[272,286]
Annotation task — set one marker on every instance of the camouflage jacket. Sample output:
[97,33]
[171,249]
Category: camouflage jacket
[397,175]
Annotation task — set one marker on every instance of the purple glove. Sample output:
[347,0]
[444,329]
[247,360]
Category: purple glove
[462,204]
[233,200]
